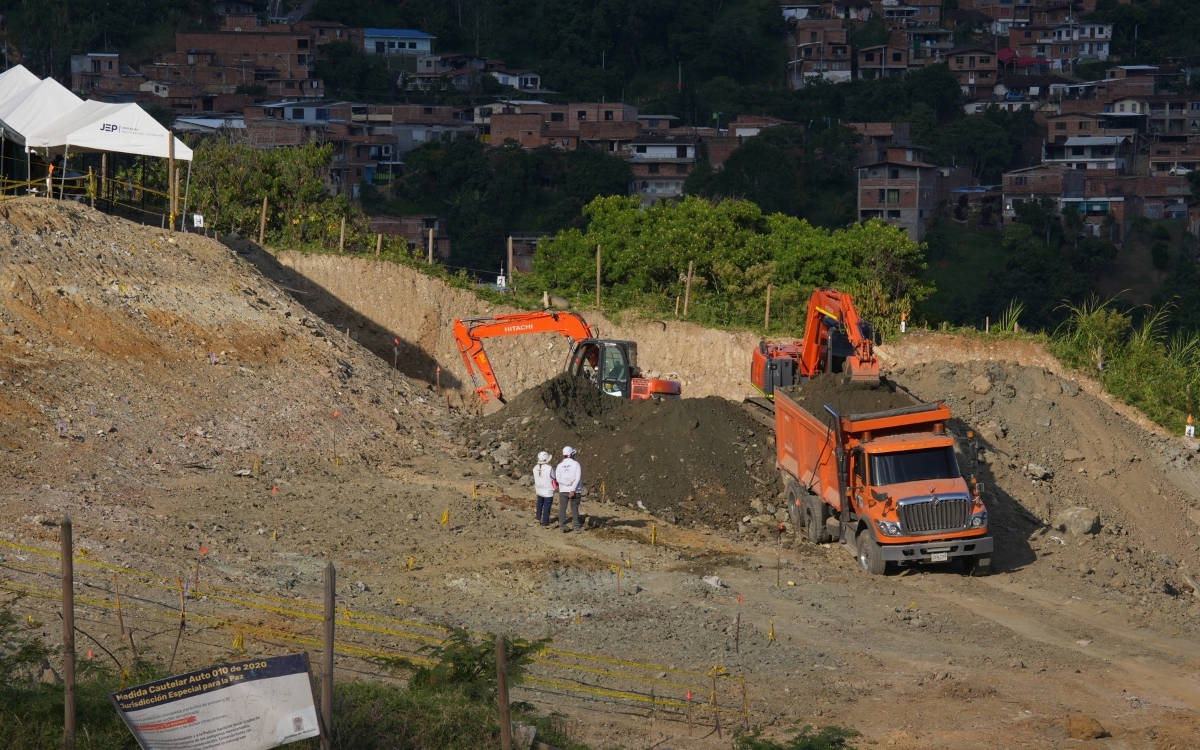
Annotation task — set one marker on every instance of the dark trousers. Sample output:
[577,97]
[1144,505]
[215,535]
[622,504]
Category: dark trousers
[573,499]
[542,510]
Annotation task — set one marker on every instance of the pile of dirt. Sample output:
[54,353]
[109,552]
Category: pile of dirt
[688,460]
[847,399]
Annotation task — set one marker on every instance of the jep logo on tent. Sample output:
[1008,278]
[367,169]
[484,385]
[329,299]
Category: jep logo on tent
[109,127]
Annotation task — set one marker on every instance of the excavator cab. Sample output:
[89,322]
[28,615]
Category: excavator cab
[609,364]
[612,365]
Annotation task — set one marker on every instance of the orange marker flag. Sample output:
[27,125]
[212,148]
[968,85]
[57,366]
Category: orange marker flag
[203,549]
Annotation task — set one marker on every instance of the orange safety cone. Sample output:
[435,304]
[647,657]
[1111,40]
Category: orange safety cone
[1190,429]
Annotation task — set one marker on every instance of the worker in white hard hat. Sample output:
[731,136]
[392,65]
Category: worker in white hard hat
[569,476]
[544,487]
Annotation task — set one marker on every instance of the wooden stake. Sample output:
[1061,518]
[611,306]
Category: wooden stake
[68,636]
[597,277]
[716,713]
[120,620]
[378,243]
[737,635]
[262,221]
[687,288]
[103,175]
[182,624]
[512,270]
[327,660]
[429,256]
[92,187]
[987,324]
[677,305]
[502,694]
[767,314]
[342,237]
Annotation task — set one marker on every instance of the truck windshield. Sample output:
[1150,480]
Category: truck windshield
[914,466]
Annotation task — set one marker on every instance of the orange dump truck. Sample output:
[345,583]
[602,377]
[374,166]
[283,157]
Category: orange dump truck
[889,479]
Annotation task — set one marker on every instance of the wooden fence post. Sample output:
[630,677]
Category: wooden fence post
[327,660]
[104,175]
[262,222]
[429,256]
[597,277]
[342,237]
[767,314]
[378,243]
[502,694]
[687,288]
[512,271]
[68,637]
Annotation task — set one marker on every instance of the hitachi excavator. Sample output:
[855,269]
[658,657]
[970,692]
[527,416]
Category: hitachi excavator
[835,340]
[609,363]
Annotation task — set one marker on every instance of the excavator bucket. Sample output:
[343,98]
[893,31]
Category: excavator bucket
[864,373]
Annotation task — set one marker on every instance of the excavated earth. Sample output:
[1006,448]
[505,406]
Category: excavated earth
[187,401]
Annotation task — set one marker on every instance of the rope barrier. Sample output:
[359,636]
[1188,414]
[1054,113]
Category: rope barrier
[351,622]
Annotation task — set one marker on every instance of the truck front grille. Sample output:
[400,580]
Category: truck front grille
[926,516]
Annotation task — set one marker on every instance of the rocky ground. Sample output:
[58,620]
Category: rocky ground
[174,397]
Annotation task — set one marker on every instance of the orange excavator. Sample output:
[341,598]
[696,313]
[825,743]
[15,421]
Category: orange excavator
[835,340]
[609,363]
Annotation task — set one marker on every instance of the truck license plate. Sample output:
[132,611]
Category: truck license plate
[939,556]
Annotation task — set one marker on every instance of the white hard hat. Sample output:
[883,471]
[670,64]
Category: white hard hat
[543,457]
[568,451]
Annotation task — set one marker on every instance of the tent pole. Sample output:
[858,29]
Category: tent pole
[62,178]
[171,188]
[28,171]
[187,188]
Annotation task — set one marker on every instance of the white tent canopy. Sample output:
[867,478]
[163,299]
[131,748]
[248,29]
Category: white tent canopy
[15,83]
[100,126]
[43,103]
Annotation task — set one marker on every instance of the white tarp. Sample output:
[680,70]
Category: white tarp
[101,126]
[14,83]
[45,102]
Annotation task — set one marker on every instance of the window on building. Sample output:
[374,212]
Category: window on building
[893,195]
[298,113]
[1020,180]
[1060,126]
[557,117]
[581,115]
[893,173]
[985,59]
[882,196]
[897,56]
[289,84]
[412,45]
[960,60]
[893,214]
[1085,125]
[301,44]
[608,114]
[639,149]
[652,168]
[681,152]
[869,57]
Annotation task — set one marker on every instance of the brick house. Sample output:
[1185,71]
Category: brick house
[897,186]
[882,61]
[819,49]
[975,68]
[661,164]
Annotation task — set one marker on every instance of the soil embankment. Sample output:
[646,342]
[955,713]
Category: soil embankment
[173,399]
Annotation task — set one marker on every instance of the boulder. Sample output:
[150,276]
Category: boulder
[1082,727]
[981,384]
[1078,520]
[1037,471]
[1071,455]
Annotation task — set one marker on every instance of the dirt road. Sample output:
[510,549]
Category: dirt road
[171,397]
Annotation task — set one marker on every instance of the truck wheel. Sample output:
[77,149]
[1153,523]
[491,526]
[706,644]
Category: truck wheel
[977,565]
[870,557]
[815,514]
[795,514]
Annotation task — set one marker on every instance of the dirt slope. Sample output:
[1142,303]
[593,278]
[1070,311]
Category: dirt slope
[159,387]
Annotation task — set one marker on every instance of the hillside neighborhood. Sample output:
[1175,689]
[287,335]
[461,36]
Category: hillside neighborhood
[1113,149]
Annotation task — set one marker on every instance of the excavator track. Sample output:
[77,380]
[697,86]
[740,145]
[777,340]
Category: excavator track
[761,410]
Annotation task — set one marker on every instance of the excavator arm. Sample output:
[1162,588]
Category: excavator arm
[470,333]
[828,310]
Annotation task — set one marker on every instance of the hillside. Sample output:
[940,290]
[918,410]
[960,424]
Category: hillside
[159,387]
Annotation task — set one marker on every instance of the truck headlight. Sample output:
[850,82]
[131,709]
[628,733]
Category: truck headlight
[888,528]
[979,520]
